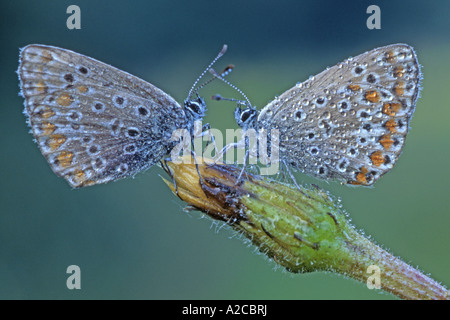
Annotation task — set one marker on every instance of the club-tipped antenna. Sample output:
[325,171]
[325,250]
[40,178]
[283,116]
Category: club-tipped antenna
[221,53]
[218,97]
[224,73]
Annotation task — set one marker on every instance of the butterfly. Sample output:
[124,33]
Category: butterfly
[349,122]
[95,123]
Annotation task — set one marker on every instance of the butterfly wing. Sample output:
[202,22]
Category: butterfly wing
[350,121]
[94,123]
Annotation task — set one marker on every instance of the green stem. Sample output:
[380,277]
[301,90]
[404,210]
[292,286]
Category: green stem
[396,276]
[303,229]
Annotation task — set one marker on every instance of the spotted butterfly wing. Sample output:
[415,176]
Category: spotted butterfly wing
[94,123]
[349,122]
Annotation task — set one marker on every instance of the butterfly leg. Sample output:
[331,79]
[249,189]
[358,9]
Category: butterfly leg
[206,131]
[284,172]
[244,164]
[221,154]
[293,179]
[169,171]
[194,155]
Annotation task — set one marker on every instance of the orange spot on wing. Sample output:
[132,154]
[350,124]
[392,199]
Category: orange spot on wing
[79,176]
[373,96]
[390,57]
[399,71]
[64,99]
[65,159]
[391,125]
[391,109]
[46,56]
[48,113]
[44,112]
[56,141]
[386,141]
[41,87]
[399,88]
[47,128]
[361,176]
[87,183]
[354,87]
[377,158]
[83,89]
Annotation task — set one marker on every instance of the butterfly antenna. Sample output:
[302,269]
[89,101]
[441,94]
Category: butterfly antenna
[218,97]
[224,73]
[221,53]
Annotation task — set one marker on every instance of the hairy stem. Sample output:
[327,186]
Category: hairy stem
[301,229]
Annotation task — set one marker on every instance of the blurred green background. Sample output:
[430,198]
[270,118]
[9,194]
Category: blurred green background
[132,238]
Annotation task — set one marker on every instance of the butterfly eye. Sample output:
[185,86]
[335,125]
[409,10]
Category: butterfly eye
[247,114]
[194,107]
